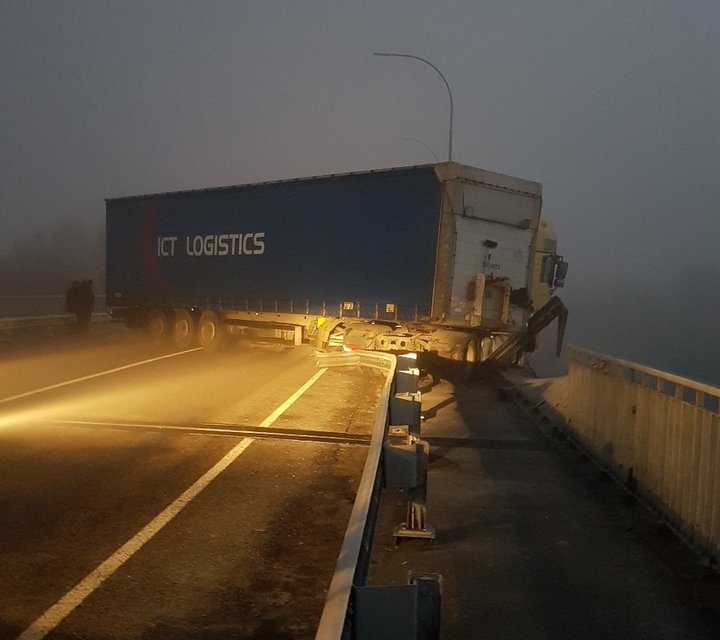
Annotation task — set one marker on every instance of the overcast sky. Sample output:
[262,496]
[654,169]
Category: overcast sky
[614,106]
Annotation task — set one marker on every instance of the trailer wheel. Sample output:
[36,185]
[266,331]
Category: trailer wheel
[156,324]
[210,331]
[183,329]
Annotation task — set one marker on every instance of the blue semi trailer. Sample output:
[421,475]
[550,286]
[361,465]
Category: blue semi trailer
[440,258]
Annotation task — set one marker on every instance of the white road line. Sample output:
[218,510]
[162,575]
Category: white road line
[49,620]
[95,375]
[285,405]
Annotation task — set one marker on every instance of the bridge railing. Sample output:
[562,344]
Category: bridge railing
[658,432]
[18,306]
[39,312]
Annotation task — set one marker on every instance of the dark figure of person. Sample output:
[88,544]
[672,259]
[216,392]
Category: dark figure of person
[85,306]
[80,300]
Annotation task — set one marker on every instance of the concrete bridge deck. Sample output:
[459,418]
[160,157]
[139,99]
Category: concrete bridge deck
[533,541]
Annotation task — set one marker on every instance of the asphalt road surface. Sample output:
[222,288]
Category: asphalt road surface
[134,504]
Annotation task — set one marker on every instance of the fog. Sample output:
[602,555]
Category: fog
[667,327]
[613,106]
[45,262]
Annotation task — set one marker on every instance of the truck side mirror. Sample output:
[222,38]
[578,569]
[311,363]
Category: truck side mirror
[547,269]
[561,270]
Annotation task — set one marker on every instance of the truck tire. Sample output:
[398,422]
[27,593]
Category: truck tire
[157,325]
[210,331]
[183,329]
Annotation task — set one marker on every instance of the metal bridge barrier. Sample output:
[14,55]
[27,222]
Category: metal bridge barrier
[657,432]
[33,323]
[28,322]
[396,458]
[33,313]
[24,306]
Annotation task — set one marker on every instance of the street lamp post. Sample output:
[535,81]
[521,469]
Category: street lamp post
[430,64]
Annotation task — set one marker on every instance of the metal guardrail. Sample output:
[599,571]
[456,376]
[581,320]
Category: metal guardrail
[657,432]
[23,306]
[23,322]
[352,609]
[29,322]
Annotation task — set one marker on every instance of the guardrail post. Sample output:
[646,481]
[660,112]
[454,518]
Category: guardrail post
[405,409]
[400,612]
[406,401]
[405,467]
[416,525]
[406,455]
[407,375]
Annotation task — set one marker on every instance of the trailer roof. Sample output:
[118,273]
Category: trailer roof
[444,170]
